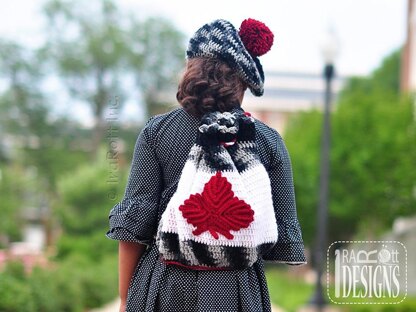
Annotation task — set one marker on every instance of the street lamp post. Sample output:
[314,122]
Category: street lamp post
[330,51]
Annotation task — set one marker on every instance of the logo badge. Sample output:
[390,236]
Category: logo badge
[367,272]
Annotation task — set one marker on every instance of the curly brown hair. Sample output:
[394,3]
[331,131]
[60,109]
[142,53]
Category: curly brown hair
[208,85]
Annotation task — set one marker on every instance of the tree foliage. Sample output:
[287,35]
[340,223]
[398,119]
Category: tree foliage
[87,194]
[98,56]
[34,142]
[96,59]
[372,177]
[27,119]
[158,62]
[12,187]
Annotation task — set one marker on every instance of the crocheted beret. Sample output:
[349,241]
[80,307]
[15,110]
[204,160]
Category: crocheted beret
[239,49]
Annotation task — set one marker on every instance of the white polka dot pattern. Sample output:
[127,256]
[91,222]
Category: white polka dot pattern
[160,153]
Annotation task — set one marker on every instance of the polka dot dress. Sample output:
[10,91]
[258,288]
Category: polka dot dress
[160,153]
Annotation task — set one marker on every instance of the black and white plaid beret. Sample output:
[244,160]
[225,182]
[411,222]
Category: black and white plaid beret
[221,40]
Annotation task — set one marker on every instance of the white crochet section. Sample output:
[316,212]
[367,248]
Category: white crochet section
[252,186]
[231,118]
[257,184]
[222,129]
[168,220]
[225,115]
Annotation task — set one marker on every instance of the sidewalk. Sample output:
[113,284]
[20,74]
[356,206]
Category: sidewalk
[113,307]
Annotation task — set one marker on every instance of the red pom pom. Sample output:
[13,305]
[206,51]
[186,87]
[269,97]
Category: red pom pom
[256,37]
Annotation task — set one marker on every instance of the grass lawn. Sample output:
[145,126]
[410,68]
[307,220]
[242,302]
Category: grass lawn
[292,293]
[286,291]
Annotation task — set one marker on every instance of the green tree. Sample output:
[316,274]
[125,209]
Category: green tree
[158,63]
[85,198]
[87,192]
[22,105]
[372,152]
[90,54]
[36,141]
[40,138]
[98,56]
[12,190]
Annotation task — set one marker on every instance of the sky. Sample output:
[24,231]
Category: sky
[367,30]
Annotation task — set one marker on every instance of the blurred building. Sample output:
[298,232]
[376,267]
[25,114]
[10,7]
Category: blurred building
[287,93]
[404,231]
[408,71]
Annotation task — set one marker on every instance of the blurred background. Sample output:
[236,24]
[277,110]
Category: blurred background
[78,80]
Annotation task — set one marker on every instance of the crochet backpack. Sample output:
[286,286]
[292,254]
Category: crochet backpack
[221,216]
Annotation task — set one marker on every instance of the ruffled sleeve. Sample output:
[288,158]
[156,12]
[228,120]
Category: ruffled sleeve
[289,247]
[135,217]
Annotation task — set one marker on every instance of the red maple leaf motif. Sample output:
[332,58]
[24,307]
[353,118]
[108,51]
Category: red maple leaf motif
[217,210]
